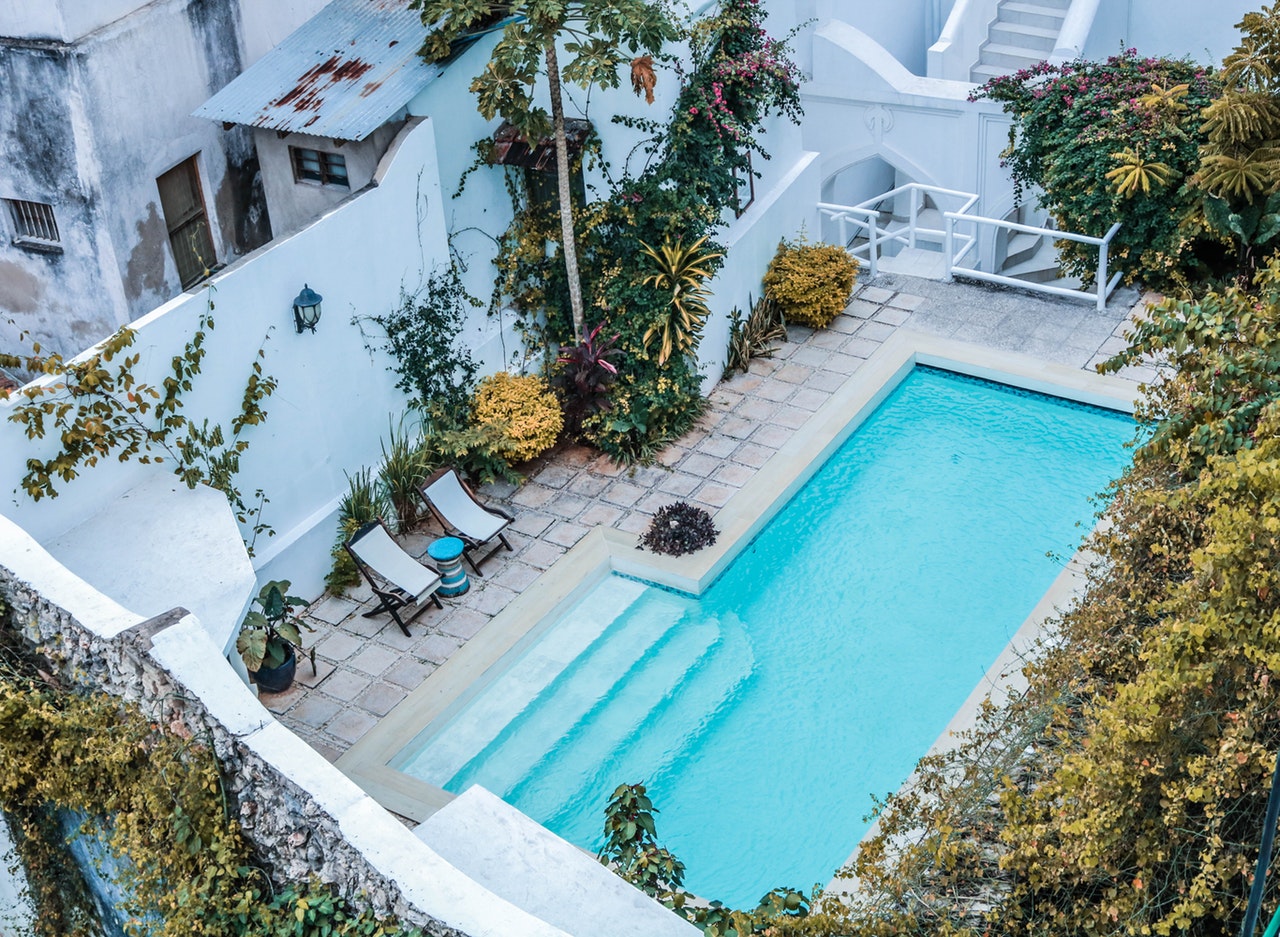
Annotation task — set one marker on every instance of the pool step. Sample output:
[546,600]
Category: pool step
[562,705]
[657,714]
[482,719]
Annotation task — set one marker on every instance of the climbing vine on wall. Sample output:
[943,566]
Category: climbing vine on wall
[97,408]
[737,78]
[154,796]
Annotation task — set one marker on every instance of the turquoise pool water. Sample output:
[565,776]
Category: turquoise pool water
[821,664]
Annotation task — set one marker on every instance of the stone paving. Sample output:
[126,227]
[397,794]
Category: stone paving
[366,666]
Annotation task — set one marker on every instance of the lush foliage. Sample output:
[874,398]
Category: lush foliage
[98,408]
[1240,161]
[680,272]
[811,283]
[646,412]
[679,528]
[422,339]
[1124,792]
[598,32]
[753,336]
[631,849]
[271,630]
[363,502]
[524,408]
[1115,141]
[683,192]
[403,469]
[154,795]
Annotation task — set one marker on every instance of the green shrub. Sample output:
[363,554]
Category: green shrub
[524,408]
[646,413]
[363,502]
[811,283]
[403,470]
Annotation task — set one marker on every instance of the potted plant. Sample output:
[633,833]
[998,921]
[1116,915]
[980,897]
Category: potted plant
[270,638]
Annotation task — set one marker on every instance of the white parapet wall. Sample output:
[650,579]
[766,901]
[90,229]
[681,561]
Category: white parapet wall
[302,814]
[335,400]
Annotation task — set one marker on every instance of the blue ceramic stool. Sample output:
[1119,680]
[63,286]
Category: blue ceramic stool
[446,553]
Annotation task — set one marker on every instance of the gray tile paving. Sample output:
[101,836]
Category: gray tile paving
[366,666]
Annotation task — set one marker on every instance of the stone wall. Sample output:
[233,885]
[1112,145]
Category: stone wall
[303,816]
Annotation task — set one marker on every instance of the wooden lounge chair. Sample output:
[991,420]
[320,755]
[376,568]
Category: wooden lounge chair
[396,578]
[461,514]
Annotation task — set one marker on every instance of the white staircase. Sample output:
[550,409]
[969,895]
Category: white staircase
[1023,33]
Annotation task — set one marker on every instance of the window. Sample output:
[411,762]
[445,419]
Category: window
[187,221]
[746,193]
[319,166]
[544,188]
[34,225]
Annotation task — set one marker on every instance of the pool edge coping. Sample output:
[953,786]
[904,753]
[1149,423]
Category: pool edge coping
[603,550]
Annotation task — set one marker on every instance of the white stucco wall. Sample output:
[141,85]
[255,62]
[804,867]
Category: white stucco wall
[1205,32]
[17,916]
[334,400]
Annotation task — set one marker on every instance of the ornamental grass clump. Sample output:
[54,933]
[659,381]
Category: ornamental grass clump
[525,408]
[678,529]
[811,283]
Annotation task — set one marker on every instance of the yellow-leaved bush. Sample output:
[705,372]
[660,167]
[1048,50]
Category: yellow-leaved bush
[811,283]
[524,407]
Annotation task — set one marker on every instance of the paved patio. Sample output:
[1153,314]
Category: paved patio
[366,666]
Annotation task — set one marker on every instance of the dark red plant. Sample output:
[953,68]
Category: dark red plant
[584,374]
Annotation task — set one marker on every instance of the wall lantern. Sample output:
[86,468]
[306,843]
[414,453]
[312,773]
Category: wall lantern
[306,309]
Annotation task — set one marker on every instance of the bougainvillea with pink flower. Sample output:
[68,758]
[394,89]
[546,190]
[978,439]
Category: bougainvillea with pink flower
[1075,124]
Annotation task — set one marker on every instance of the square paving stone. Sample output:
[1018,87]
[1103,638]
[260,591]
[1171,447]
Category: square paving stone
[533,524]
[623,494]
[381,698]
[714,495]
[600,515]
[653,502]
[825,380]
[515,576]
[566,533]
[306,678]
[759,411]
[555,476]
[715,447]
[588,486]
[373,660]
[333,609]
[408,673]
[736,427]
[773,436]
[339,646]
[351,725]
[492,599]
[775,390]
[346,685]
[794,374]
[315,711]
[792,417]
[680,484]
[465,623]
[671,455]
[437,648]
[861,309]
[809,357]
[733,474]
[541,555]
[753,455]
[533,496]
[907,301]
[875,331]
[809,399]
[890,316]
[875,294]
[861,347]
[845,324]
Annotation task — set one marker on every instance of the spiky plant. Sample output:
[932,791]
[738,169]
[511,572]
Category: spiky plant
[1137,172]
[682,271]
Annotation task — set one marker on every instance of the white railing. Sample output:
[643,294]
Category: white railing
[956,240]
[863,220]
[1104,286]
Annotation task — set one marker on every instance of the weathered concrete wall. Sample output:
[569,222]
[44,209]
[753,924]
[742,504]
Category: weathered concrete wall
[295,203]
[303,816]
[97,113]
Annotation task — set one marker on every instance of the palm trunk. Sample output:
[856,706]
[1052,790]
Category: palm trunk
[566,203]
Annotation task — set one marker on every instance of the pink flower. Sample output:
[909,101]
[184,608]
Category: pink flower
[693,111]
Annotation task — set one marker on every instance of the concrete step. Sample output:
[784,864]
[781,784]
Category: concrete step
[981,73]
[1011,58]
[516,859]
[1025,13]
[1022,247]
[1041,267]
[1034,39]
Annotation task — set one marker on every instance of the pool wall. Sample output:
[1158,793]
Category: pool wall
[371,761]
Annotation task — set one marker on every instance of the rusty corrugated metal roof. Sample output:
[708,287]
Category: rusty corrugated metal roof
[342,74]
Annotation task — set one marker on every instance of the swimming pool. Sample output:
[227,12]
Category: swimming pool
[819,666]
